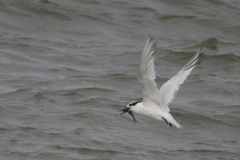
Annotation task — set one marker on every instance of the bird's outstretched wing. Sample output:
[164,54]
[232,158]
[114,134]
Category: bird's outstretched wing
[146,73]
[146,77]
[170,88]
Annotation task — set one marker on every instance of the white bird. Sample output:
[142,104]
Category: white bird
[155,101]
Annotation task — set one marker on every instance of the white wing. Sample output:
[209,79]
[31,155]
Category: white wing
[170,88]
[146,73]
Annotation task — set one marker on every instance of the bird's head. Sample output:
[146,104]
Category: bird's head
[128,107]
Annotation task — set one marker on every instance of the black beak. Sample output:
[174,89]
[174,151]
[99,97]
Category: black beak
[124,110]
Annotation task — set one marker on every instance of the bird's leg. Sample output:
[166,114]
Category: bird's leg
[165,120]
[170,124]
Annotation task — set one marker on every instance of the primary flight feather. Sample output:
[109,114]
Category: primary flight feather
[155,101]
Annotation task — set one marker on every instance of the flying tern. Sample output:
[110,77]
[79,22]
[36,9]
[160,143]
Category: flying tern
[155,101]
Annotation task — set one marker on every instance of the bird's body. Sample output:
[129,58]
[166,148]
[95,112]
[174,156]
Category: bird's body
[154,111]
[155,101]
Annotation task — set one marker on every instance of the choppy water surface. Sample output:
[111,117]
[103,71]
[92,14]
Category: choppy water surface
[66,67]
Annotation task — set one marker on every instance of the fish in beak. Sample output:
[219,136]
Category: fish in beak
[127,109]
[132,115]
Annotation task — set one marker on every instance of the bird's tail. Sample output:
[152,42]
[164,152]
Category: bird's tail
[171,121]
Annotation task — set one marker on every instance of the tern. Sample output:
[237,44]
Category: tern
[155,101]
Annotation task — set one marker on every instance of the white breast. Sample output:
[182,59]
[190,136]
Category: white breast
[151,110]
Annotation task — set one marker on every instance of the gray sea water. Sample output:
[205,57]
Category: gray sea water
[67,67]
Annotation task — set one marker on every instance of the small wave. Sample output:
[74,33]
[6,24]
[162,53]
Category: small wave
[39,95]
[17,91]
[78,130]
[120,77]
[173,17]
[148,9]
[93,101]
[230,56]
[17,58]
[83,90]
[13,129]
[91,2]
[51,9]
[196,118]
[206,151]
[89,150]
[210,43]
[183,55]
[12,11]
